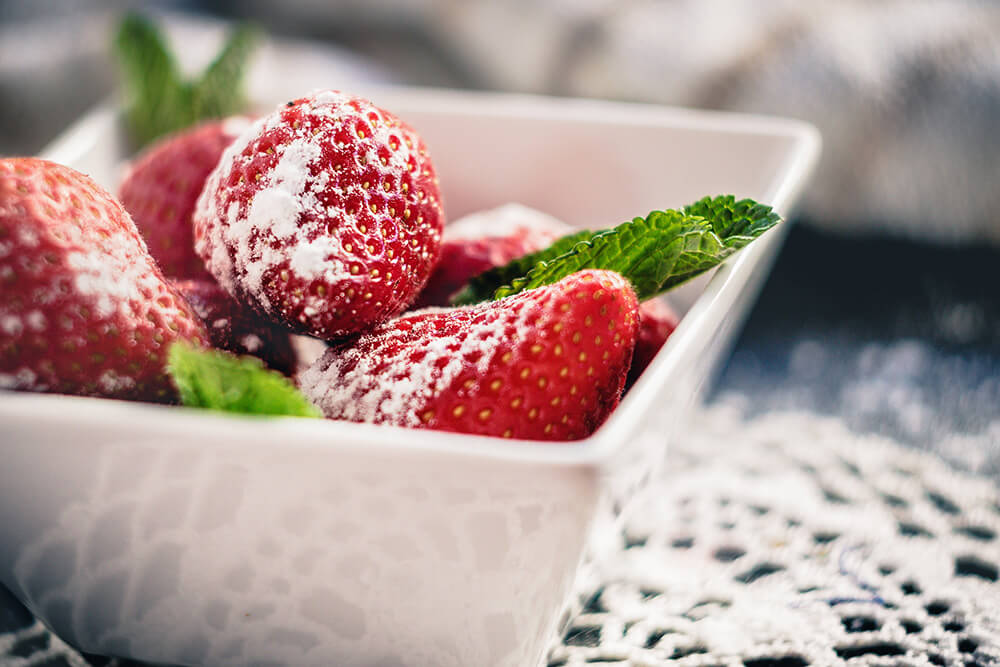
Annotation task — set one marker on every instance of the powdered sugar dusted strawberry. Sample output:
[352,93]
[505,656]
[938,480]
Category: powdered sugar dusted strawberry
[162,186]
[482,240]
[548,364]
[235,328]
[325,215]
[83,307]
[657,321]
[533,228]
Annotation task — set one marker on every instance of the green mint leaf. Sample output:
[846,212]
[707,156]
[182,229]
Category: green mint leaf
[158,101]
[737,223]
[219,91]
[655,253]
[221,381]
[150,78]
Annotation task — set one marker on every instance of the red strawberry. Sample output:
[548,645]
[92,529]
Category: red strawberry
[162,186]
[547,364]
[480,241]
[236,328]
[326,216]
[656,322]
[83,307]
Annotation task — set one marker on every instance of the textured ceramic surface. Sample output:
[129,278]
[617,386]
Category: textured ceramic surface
[189,538]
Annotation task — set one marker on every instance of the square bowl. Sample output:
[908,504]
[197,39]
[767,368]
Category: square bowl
[178,536]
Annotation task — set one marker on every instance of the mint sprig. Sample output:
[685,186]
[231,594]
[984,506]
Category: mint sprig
[158,99]
[219,90]
[655,253]
[221,381]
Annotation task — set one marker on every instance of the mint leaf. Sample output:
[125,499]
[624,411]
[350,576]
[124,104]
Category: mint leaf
[219,91]
[737,223]
[221,381]
[656,253]
[151,80]
[158,100]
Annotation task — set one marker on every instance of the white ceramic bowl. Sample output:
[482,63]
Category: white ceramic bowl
[178,536]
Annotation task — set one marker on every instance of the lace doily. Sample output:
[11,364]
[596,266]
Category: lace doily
[782,541]
[787,541]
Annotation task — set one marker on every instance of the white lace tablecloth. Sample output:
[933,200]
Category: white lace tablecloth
[787,541]
[781,541]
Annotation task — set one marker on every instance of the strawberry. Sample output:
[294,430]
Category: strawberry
[656,322]
[161,187]
[483,240]
[480,241]
[546,364]
[326,216]
[236,328]
[83,307]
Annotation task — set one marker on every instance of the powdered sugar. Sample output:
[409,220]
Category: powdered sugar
[389,375]
[110,287]
[329,98]
[11,325]
[505,221]
[276,208]
[27,237]
[112,382]
[35,320]
[251,342]
[274,211]
[24,378]
[317,258]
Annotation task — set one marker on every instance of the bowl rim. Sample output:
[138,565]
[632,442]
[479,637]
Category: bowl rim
[708,311]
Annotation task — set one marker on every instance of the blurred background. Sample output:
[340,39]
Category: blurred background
[883,307]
